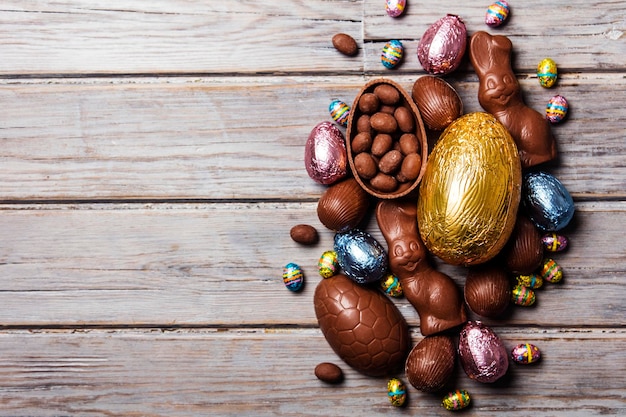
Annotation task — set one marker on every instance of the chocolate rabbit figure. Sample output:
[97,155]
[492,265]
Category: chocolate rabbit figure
[433,294]
[499,93]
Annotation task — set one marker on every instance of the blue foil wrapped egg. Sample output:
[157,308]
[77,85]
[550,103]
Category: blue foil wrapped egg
[293,277]
[523,296]
[546,201]
[551,271]
[556,109]
[339,111]
[497,13]
[554,243]
[328,265]
[361,257]
[392,54]
[396,391]
[525,353]
[395,8]
[390,284]
[547,72]
[456,400]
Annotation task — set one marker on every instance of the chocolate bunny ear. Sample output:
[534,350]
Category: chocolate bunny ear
[488,52]
[396,219]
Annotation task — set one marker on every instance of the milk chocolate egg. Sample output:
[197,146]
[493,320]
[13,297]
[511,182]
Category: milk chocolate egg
[483,355]
[487,290]
[470,192]
[546,201]
[342,206]
[523,252]
[360,256]
[325,155]
[441,48]
[437,100]
[362,325]
[430,363]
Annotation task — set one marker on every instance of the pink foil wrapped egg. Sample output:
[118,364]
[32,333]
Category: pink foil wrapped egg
[483,355]
[325,155]
[442,46]
[395,8]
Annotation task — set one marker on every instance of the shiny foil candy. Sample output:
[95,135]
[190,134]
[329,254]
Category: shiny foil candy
[523,296]
[390,284]
[441,48]
[497,13]
[546,201]
[361,257]
[293,276]
[551,271]
[483,355]
[532,281]
[456,400]
[556,109]
[395,8]
[328,264]
[392,54]
[396,391]
[525,353]
[339,111]
[554,243]
[547,72]
[325,155]
[470,192]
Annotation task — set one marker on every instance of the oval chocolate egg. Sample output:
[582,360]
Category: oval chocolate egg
[361,257]
[430,363]
[342,206]
[437,101]
[523,252]
[441,48]
[470,193]
[329,372]
[362,326]
[525,353]
[548,203]
[483,355]
[325,157]
[487,290]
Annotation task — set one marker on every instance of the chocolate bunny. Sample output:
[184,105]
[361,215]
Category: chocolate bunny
[433,294]
[499,93]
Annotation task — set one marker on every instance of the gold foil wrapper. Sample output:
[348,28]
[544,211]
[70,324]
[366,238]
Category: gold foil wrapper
[470,192]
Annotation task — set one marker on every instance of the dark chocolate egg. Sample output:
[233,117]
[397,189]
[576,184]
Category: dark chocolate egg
[430,363]
[362,325]
[325,155]
[523,252]
[343,205]
[361,257]
[441,48]
[483,355]
[487,290]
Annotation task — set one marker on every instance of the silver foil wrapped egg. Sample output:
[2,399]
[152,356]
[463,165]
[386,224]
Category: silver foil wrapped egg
[483,355]
[547,202]
[360,256]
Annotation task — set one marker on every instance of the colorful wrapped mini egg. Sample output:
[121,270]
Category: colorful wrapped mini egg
[523,296]
[395,8]
[547,72]
[456,400]
[392,53]
[339,111]
[525,353]
[556,109]
[533,281]
[396,391]
[391,285]
[328,264]
[293,277]
[497,13]
[554,243]
[551,271]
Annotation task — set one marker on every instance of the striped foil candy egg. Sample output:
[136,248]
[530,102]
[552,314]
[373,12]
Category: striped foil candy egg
[456,400]
[392,54]
[556,109]
[396,391]
[328,264]
[391,285]
[554,243]
[523,296]
[525,353]
[547,72]
[293,277]
[339,111]
[551,271]
[395,8]
[497,13]
[533,281]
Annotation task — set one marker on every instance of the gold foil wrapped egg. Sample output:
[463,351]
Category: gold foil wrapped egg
[470,192]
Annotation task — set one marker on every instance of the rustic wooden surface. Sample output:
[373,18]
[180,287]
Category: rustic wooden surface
[152,166]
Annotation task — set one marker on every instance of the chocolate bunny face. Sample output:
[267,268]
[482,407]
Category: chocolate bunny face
[406,255]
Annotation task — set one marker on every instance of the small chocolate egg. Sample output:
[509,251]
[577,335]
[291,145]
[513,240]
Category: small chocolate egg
[556,109]
[293,277]
[325,155]
[487,290]
[329,373]
[497,13]
[395,8]
[523,296]
[441,48]
[483,355]
[328,264]
[525,353]
[456,400]
[396,391]
[546,201]
[430,363]
[392,54]
[547,72]
[551,271]
[533,281]
[554,243]
[390,284]
[523,252]
[339,111]
[360,256]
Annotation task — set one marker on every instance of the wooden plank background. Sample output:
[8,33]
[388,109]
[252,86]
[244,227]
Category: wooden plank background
[151,166]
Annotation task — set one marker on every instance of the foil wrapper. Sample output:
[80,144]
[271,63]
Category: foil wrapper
[548,203]
[483,355]
[442,46]
[325,155]
[360,256]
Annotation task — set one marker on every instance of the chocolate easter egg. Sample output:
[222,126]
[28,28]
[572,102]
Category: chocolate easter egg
[523,252]
[470,192]
[343,205]
[430,363]
[441,48]
[361,325]
[487,290]
[437,101]
[360,256]
[325,156]
[483,355]
[547,202]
